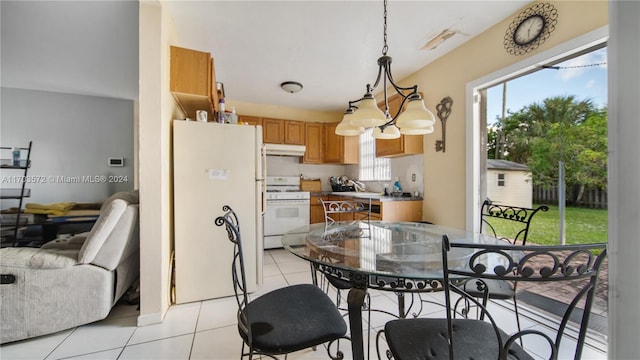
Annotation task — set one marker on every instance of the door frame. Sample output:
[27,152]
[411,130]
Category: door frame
[475,158]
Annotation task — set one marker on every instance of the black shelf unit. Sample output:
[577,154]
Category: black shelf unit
[11,227]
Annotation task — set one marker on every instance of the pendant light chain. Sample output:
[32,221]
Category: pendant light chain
[385,48]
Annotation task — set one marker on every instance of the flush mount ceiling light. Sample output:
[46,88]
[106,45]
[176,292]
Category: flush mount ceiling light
[416,119]
[291,86]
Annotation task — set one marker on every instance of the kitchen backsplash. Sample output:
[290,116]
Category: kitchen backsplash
[404,168]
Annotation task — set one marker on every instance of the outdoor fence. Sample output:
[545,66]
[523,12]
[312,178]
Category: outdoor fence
[591,198]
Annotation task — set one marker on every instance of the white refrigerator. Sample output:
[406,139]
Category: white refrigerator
[215,165]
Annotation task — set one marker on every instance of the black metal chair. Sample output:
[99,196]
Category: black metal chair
[520,218]
[285,320]
[342,210]
[453,338]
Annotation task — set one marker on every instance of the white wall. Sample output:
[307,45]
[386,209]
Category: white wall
[291,166]
[157,110]
[73,135]
[402,168]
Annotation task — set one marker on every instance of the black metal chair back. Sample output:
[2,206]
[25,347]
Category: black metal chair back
[232,225]
[503,213]
[284,320]
[561,264]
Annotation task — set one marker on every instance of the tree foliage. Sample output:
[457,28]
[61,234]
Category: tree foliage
[557,129]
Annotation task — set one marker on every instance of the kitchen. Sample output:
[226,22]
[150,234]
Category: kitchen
[294,149]
[275,173]
[310,211]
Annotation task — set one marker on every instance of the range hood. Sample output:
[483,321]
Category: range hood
[285,150]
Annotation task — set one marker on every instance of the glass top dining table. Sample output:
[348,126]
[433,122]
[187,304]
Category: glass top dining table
[403,257]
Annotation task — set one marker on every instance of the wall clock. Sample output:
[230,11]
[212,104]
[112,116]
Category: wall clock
[530,28]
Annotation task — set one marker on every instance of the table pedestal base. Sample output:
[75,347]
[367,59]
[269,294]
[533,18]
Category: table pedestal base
[355,300]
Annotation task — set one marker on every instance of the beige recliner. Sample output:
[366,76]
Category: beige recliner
[74,281]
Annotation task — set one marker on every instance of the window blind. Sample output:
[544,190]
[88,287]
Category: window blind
[372,168]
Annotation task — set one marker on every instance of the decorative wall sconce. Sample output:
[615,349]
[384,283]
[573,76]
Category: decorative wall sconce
[444,110]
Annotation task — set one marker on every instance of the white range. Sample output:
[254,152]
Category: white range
[286,208]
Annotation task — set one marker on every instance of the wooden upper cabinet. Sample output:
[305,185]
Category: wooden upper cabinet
[314,141]
[294,132]
[192,81]
[340,149]
[405,144]
[272,131]
[249,120]
[213,91]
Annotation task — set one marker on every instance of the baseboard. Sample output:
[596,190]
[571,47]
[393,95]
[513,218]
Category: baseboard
[150,319]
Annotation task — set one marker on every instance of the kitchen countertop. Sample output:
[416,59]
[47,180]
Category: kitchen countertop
[366,195]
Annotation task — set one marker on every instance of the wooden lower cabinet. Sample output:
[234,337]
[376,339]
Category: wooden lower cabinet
[401,210]
[316,213]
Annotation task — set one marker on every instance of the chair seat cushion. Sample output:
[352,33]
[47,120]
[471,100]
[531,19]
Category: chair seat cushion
[427,339]
[293,318]
[498,289]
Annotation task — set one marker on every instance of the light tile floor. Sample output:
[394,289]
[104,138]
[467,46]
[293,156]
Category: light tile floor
[207,330]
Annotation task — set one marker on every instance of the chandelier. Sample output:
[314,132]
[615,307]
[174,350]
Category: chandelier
[363,113]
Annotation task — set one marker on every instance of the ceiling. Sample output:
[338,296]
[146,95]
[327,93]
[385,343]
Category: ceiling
[331,47]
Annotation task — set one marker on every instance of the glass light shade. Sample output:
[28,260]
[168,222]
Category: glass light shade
[416,116]
[368,114]
[346,127]
[416,131]
[390,132]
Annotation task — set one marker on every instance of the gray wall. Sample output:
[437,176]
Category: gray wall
[73,135]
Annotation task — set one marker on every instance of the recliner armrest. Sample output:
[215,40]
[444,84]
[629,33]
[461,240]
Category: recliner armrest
[34,258]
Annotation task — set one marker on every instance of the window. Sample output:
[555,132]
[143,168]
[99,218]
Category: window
[372,168]
[501,179]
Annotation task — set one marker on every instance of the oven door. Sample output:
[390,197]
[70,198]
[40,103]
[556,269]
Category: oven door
[285,215]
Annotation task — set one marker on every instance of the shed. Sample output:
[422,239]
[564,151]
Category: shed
[509,183]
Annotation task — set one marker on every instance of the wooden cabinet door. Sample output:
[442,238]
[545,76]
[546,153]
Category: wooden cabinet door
[190,71]
[401,210]
[333,144]
[213,91]
[293,132]
[350,150]
[192,81]
[249,120]
[405,144]
[340,149]
[316,214]
[314,140]
[272,131]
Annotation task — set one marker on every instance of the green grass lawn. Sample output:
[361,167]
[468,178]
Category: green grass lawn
[582,226]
